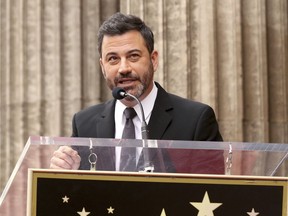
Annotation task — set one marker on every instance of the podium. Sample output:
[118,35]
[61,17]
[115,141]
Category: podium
[173,178]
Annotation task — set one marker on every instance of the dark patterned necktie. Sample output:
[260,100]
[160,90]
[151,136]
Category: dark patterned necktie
[128,154]
[129,129]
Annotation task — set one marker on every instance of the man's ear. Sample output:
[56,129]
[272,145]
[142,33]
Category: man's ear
[155,59]
[102,68]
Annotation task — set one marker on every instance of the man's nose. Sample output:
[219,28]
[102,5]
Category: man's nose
[124,66]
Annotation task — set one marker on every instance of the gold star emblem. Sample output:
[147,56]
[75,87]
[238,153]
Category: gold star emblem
[65,199]
[253,213]
[205,207]
[83,213]
[110,210]
[163,213]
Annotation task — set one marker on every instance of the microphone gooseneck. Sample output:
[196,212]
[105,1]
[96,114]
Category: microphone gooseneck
[119,93]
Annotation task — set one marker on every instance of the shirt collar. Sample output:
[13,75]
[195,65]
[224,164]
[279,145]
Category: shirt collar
[147,103]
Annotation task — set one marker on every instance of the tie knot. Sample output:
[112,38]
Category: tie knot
[130,113]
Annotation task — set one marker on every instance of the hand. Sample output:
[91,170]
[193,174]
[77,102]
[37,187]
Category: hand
[65,158]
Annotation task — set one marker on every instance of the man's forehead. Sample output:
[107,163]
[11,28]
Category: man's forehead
[132,36]
[125,43]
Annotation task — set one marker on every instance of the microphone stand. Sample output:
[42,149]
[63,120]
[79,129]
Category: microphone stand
[148,165]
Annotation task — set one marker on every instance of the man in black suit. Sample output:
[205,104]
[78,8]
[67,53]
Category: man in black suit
[128,60]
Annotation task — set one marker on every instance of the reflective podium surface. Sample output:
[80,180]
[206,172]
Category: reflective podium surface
[158,156]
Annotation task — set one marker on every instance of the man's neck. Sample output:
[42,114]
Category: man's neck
[131,103]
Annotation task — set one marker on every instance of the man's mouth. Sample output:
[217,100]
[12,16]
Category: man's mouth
[126,81]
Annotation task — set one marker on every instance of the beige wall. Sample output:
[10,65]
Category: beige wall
[230,54]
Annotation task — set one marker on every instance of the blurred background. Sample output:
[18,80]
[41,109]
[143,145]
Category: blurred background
[230,54]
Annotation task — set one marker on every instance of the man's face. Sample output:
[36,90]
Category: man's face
[126,63]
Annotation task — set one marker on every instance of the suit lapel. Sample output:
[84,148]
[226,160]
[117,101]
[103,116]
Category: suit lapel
[160,118]
[161,115]
[106,124]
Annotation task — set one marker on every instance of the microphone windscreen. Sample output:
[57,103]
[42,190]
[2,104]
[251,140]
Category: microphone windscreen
[116,92]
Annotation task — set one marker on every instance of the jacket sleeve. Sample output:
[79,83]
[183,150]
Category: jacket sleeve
[207,128]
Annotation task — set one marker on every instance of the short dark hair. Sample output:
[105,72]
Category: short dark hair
[119,24]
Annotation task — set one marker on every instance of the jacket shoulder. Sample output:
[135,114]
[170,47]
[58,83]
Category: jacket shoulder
[94,110]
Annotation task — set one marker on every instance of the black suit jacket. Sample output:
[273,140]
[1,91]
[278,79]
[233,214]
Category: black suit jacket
[172,118]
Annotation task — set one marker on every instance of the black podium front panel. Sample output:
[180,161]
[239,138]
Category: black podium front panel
[103,193]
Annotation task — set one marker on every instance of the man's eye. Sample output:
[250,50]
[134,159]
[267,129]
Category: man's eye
[112,59]
[134,57]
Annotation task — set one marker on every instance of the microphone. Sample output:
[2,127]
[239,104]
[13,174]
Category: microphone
[119,93]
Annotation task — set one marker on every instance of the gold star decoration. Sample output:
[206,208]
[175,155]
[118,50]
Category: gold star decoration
[253,213]
[205,207]
[110,210]
[65,199]
[163,213]
[83,213]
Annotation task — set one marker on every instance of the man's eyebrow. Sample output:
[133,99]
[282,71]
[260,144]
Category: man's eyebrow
[134,50]
[110,53]
[129,52]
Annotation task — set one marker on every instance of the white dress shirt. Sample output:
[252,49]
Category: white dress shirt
[120,120]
